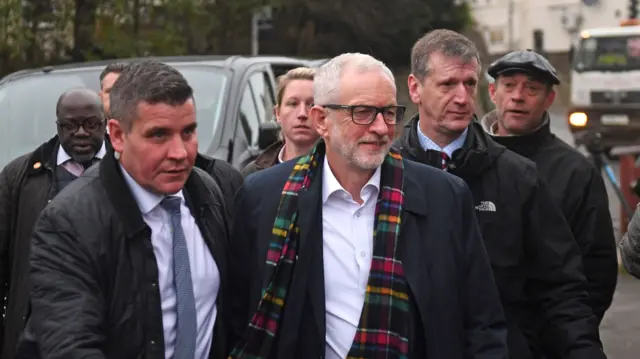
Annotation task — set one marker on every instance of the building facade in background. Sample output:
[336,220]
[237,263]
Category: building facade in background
[553,25]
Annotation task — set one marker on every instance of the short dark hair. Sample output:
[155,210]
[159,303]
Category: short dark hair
[147,81]
[113,68]
[447,42]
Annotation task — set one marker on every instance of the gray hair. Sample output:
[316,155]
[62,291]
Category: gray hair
[327,80]
[147,81]
[446,42]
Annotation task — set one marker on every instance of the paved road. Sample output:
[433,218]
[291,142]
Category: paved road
[620,329]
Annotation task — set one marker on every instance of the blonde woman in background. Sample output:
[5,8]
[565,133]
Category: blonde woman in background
[294,99]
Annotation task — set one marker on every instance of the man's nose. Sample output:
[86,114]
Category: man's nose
[379,126]
[177,149]
[81,131]
[517,94]
[461,95]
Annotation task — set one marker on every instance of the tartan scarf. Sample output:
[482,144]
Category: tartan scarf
[383,329]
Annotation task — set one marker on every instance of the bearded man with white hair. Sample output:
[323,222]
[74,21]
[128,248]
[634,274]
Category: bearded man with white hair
[353,252]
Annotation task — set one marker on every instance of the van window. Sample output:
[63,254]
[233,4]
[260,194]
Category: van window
[28,105]
[263,94]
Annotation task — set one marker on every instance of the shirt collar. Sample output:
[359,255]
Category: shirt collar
[147,200]
[427,144]
[63,156]
[330,183]
[280,155]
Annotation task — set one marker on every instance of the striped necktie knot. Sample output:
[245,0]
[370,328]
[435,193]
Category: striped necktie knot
[445,159]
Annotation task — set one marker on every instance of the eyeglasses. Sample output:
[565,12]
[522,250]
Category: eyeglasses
[365,115]
[73,127]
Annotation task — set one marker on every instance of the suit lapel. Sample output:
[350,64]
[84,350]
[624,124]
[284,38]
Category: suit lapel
[211,226]
[310,250]
[413,245]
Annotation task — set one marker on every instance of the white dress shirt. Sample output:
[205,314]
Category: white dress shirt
[347,229]
[71,165]
[204,271]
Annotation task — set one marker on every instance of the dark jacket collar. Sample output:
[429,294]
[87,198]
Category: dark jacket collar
[476,156]
[125,205]
[44,157]
[269,157]
[205,163]
[415,195]
[528,144]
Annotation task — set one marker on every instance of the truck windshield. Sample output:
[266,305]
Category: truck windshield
[27,105]
[610,53]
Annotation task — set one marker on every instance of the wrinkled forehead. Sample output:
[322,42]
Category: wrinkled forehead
[371,87]
[453,67]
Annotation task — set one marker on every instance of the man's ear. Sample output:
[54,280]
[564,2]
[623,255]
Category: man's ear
[116,135]
[415,89]
[551,96]
[492,91]
[319,120]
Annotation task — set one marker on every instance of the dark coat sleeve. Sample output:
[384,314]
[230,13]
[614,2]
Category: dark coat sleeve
[242,245]
[630,246]
[486,328]
[6,219]
[10,179]
[592,228]
[229,180]
[68,305]
[556,280]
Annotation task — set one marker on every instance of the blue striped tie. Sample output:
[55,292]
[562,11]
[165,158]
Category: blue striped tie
[186,328]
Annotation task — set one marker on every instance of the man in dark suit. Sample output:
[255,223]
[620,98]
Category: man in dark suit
[351,240]
[28,183]
[129,261]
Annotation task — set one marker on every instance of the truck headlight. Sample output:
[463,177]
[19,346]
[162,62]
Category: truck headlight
[578,119]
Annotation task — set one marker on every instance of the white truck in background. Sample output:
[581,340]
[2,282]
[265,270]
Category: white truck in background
[605,87]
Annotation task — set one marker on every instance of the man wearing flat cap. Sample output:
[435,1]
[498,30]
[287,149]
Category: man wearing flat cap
[536,262]
[523,92]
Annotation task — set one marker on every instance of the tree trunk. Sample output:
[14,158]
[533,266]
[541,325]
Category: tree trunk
[83,28]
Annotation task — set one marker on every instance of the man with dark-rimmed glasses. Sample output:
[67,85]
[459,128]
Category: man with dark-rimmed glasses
[351,239]
[364,115]
[28,183]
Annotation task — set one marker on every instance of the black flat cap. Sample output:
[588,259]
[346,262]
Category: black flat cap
[525,61]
